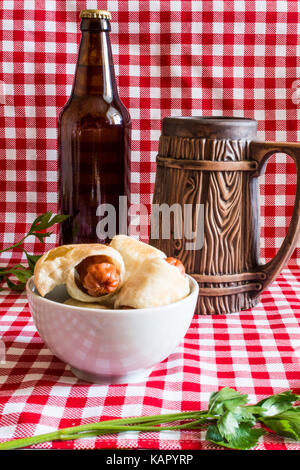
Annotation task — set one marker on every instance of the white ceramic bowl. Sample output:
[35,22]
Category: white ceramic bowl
[110,346]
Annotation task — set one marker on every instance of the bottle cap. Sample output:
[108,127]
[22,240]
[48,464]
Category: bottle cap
[103,14]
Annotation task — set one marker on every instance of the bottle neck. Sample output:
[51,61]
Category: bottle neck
[95,69]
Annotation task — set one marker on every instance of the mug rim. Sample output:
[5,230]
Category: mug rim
[229,119]
[210,127]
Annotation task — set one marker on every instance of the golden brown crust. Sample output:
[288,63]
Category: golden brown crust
[134,252]
[155,283]
[147,279]
[51,269]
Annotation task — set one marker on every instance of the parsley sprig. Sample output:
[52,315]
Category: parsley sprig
[38,229]
[229,422]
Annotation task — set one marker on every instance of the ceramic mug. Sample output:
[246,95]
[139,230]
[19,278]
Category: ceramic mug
[215,162]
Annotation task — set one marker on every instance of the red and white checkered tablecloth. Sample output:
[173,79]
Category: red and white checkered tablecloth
[257,352]
[171,57]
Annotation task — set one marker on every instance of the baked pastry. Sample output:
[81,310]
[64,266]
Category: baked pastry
[156,282]
[125,274]
[91,272]
[134,252]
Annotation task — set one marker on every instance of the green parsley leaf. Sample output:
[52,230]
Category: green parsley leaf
[21,274]
[230,421]
[225,399]
[37,229]
[245,437]
[13,286]
[228,425]
[32,259]
[278,403]
[285,424]
[41,236]
[44,221]
[41,222]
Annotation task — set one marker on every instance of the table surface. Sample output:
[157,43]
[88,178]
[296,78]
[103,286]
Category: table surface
[257,352]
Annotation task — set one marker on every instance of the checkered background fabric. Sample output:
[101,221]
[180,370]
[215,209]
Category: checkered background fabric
[172,58]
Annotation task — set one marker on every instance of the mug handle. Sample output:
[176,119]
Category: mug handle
[261,152]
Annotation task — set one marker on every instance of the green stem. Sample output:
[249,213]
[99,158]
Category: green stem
[9,271]
[118,429]
[16,244]
[150,423]
[28,441]
[157,419]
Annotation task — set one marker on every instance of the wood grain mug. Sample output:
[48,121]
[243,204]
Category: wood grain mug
[215,162]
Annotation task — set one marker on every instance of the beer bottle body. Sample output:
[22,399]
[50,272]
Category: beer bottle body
[94,133]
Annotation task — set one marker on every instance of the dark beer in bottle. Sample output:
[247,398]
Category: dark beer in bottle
[94,130]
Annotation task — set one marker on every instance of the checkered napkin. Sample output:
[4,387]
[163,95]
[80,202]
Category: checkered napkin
[257,352]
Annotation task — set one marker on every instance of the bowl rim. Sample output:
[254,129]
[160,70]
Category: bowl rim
[193,291]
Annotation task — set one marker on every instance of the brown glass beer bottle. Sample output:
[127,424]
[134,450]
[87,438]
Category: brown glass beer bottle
[94,130]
